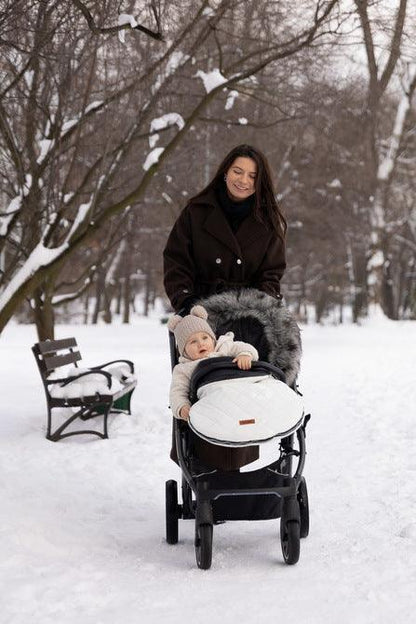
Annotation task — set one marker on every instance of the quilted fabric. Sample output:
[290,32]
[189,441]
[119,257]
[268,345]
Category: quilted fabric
[245,412]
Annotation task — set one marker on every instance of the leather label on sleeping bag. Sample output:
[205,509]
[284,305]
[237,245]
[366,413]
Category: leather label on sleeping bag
[249,421]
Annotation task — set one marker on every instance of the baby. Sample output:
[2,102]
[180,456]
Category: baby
[196,340]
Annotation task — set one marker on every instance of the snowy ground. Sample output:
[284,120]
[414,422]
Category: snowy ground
[82,520]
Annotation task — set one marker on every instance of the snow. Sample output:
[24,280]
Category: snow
[68,197]
[45,145]
[28,76]
[125,18]
[159,123]
[82,537]
[176,60]
[70,123]
[212,79]
[376,261]
[153,157]
[13,207]
[387,163]
[67,125]
[230,99]
[82,213]
[93,105]
[91,382]
[167,198]
[208,12]
[28,184]
[40,256]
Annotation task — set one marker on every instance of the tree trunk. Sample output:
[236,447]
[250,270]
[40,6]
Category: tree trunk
[321,302]
[119,296]
[360,293]
[146,295]
[98,290]
[341,312]
[387,298]
[107,315]
[43,315]
[86,306]
[126,299]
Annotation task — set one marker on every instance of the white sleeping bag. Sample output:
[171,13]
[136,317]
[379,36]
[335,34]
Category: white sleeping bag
[244,412]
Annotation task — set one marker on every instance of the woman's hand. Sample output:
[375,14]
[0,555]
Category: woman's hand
[184,412]
[243,361]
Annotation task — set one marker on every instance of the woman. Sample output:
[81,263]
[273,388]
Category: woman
[231,235]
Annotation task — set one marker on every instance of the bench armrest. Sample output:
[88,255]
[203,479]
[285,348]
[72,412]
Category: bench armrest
[130,364]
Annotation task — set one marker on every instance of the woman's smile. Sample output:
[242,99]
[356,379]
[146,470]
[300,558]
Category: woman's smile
[241,178]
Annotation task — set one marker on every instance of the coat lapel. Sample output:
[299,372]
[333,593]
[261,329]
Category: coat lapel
[251,230]
[217,225]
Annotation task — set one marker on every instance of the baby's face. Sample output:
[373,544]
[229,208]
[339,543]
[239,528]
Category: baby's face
[199,345]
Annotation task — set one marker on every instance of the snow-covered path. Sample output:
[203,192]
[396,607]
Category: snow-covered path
[82,521]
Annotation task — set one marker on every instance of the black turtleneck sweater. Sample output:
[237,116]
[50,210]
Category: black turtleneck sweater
[235,211]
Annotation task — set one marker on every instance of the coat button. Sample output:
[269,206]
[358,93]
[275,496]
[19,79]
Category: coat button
[218,260]
[238,261]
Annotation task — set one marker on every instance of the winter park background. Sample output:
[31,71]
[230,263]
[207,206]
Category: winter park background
[111,118]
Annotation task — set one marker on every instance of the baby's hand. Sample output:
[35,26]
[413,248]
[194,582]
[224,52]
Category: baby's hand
[243,361]
[184,412]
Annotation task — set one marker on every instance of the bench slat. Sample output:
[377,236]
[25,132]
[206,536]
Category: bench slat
[55,361]
[49,346]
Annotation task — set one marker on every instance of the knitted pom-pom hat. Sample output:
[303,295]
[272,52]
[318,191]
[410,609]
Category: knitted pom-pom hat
[184,326]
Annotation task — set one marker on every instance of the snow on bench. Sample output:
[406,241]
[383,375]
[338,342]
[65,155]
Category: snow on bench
[89,392]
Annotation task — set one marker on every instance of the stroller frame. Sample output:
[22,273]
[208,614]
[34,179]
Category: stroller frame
[201,493]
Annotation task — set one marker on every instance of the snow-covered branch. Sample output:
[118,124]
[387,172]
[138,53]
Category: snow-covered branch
[126,22]
[387,163]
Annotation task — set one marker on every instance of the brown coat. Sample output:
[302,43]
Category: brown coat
[203,256]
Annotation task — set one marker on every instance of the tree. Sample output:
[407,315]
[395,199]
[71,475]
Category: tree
[382,152]
[64,178]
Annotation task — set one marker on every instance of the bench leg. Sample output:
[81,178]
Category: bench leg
[84,413]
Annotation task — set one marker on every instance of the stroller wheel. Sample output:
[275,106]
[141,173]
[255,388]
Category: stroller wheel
[290,540]
[203,545]
[172,512]
[303,508]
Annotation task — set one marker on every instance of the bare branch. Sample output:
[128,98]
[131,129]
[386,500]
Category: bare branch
[362,6]
[115,29]
[395,46]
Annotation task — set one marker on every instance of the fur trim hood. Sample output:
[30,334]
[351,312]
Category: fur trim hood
[249,313]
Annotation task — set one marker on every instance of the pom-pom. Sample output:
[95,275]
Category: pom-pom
[173,322]
[199,311]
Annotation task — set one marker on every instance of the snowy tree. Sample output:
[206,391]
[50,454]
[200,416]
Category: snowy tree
[385,32]
[78,107]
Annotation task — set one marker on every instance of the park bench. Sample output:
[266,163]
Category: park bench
[93,392]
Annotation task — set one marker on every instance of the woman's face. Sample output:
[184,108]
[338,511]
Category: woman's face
[241,178]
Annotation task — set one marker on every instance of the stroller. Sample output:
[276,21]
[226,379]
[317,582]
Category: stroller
[211,496]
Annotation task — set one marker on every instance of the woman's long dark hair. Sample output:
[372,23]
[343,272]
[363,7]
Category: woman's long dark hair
[266,209]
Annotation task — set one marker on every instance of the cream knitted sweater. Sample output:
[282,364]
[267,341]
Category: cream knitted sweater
[182,373]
